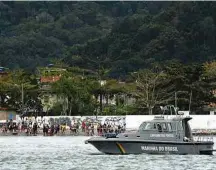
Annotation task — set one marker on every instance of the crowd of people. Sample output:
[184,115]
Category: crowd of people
[30,128]
[101,129]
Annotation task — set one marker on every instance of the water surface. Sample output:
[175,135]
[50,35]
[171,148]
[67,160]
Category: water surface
[67,153]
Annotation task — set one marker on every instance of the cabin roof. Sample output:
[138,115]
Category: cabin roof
[182,118]
[163,119]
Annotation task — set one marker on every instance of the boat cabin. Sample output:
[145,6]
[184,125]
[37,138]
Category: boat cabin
[160,128]
[176,128]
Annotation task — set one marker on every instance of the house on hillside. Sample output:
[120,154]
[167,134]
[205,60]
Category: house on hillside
[3,71]
[6,114]
[51,74]
[47,76]
[112,100]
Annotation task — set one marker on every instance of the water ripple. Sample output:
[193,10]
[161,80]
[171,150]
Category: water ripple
[70,153]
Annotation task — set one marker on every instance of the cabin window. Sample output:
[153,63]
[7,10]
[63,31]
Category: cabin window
[147,126]
[150,126]
[142,126]
[169,127]
[164,127]
[159,127]
[180,127]
[177,126]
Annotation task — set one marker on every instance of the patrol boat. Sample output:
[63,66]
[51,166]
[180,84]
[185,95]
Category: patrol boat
[162,135]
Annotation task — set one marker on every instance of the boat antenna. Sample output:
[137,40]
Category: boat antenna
[175,99]
[22,99]
[190,101]
[176,106]
[170,107]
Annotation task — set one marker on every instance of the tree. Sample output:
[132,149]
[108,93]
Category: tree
[19,91]
[209,70]
[77,93]
[151,89]
[208,76]
[5,87]
[192,84]
[102,74]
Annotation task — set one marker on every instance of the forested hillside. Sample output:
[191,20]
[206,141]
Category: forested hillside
[123,36]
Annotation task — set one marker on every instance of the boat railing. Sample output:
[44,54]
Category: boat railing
[203,138]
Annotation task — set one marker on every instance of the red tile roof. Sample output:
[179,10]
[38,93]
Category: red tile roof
[3,108]
[49,79]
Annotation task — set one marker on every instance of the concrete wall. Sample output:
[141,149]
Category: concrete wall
[70,120]
[132,121]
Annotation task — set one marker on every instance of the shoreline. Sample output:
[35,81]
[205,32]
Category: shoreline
[68,133]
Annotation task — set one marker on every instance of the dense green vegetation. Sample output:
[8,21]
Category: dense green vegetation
[156,48]
[123,36]
[190,87]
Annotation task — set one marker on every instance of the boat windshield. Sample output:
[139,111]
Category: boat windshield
[160,126]
[147,126]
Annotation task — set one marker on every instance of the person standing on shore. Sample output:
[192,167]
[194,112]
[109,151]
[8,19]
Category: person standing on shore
[35,129]
[83,126]
[44,130]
